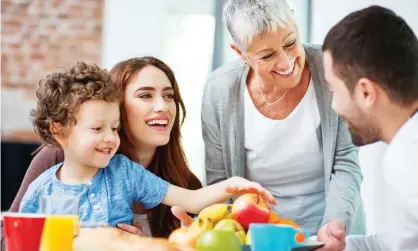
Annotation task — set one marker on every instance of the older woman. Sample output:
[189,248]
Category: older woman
[268,117]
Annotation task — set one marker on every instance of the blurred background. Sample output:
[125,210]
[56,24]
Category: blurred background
[39,36]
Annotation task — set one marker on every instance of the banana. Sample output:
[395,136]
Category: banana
[248,238]
[216,212]
[202,224]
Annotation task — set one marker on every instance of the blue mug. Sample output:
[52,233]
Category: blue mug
[276,237]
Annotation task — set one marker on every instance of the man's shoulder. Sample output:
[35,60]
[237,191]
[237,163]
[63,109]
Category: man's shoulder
[402,153]
[405,142]
[400,163]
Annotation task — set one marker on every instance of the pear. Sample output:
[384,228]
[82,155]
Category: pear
[232,226]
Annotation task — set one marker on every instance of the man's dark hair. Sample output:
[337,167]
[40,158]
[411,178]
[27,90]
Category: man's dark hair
[377,44]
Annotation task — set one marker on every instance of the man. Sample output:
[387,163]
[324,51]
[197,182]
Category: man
[371,66]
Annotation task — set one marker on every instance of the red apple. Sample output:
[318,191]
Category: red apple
[250,208]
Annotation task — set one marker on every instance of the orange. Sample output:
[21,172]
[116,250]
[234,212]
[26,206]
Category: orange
[273,218]
[285,221]
[300,237]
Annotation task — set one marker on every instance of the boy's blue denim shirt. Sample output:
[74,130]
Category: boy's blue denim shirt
[107,198]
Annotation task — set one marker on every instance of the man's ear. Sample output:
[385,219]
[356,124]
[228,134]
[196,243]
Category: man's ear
[366,92]
[59,133]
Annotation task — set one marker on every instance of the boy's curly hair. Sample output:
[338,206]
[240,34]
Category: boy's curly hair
[61,94]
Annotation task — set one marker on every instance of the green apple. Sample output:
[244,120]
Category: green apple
[232,226]
[216,240]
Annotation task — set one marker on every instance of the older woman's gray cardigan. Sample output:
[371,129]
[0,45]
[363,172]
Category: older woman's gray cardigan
[223,134]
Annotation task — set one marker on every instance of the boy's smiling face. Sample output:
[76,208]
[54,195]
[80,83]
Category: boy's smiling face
[93,139]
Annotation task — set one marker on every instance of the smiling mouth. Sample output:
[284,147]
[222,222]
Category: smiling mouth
[287,72]
[104,150]
[160,123]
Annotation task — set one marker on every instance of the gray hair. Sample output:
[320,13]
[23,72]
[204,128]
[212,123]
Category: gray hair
[247,18]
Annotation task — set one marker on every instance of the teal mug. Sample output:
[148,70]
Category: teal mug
[276,237]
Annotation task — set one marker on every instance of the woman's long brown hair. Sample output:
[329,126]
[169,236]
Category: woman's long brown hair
[169,161]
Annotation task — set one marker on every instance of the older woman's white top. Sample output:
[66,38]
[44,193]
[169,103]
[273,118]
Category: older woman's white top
[285,156]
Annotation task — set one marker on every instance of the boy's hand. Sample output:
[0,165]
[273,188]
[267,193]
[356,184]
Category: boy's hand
[238,185]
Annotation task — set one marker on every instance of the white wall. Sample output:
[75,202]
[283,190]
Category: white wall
[132,28]
[325,14]
[139,27]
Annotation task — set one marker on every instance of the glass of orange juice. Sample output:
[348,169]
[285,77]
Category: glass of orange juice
[59,232]
[62,222]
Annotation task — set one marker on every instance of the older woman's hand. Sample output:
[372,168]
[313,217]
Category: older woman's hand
[182,215]
[333,235]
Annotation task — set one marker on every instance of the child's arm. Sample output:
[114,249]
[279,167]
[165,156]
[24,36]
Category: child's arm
[195,201]
[151,190]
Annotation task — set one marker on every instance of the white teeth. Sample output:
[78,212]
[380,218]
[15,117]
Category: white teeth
[288,71]
[105,150]
[157,122]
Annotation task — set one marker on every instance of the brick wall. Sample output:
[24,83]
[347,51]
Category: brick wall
[38,37]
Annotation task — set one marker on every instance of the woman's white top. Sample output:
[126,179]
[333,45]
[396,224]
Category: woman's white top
[285,157]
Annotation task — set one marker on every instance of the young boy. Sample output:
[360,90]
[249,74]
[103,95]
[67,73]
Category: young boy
[78,110]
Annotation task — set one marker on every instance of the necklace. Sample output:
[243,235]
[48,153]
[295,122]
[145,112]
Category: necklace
[274,102]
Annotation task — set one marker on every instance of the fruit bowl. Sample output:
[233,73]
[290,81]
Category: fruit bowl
[231,225]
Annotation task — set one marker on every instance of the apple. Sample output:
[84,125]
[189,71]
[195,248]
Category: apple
[232,226]
[216,240]
[250,208]
[184,237]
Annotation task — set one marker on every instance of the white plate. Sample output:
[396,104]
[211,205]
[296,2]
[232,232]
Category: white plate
[310,245]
